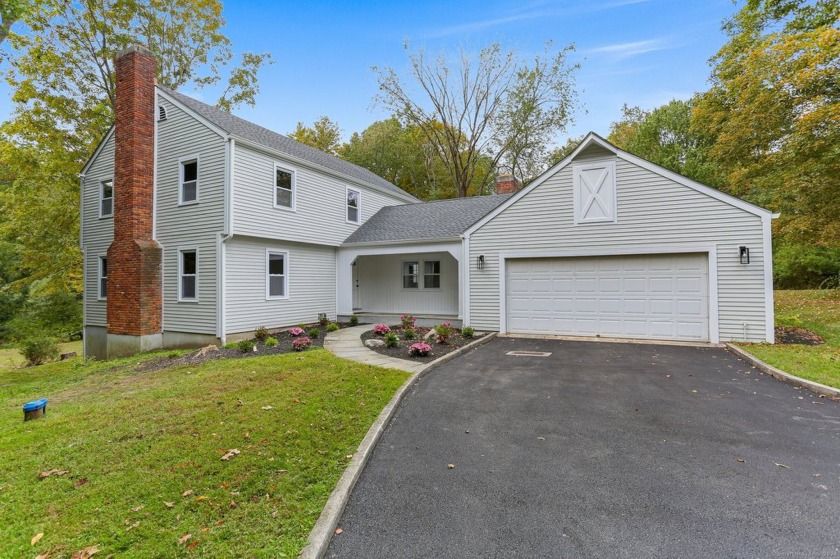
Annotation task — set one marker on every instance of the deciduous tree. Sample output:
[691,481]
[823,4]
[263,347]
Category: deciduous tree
[324,135]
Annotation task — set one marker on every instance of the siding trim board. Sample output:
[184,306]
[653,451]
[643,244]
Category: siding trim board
[710,250]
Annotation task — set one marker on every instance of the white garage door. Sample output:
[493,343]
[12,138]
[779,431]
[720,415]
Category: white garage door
[652,296]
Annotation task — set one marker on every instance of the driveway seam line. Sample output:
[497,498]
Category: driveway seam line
[322,533]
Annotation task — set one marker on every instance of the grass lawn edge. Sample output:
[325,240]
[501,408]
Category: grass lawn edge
[782,375]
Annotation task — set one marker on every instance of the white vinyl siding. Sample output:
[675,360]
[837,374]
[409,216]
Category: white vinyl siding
[182,138]
[320,201]
[651,210]
[310,283]
[97,233]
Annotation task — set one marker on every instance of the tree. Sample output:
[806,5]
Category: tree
[774,109]
[64,87]
[490,105]
[560,153]
[10,12]
[324,135]
[665,136]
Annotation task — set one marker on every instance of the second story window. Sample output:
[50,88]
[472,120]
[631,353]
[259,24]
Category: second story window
[106,198]
[284,188]
[189,181]
[354,198]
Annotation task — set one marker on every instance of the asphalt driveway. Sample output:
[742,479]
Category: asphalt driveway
[600,450]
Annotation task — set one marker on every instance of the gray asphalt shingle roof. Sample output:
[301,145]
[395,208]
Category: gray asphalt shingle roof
[241,128]
[440,219]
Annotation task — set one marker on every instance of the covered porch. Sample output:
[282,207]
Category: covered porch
[378,283]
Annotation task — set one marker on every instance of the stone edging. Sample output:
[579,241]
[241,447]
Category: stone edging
[322,533]
[782,375]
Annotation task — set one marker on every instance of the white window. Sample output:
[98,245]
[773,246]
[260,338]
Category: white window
[284,188]
[411,275]
[106,198]
[277,275]
[431,274]
[103,277]
[594,192]
[188,275]
[189,181]
[354,205]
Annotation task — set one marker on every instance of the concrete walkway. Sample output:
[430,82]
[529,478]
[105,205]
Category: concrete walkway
[347,344]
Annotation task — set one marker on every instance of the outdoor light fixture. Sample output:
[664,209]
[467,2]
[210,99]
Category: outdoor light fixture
[480,262]
[744,253]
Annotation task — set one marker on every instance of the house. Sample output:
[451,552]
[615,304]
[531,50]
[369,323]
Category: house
[198,227]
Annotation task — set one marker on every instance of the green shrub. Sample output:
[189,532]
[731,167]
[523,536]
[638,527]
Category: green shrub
[270,342]
[391,340]
[409,333]
[313,333]
[39,350]
[332,327]
[354,320]
[322,319]
[261,333]
[245,346]
[468,332]
[173,354]
[231,345]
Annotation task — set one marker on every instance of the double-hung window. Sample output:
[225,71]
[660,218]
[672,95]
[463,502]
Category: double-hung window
[277,275]
[411,275]
[431,274]
[103,277]
[284,188]
[189,181]
[354,210]
[106,198]
[188,275]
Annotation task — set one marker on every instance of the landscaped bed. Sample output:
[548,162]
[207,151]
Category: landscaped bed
[454,339]
[133,463]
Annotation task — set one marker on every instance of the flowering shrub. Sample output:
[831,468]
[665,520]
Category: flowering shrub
[407,321]
[301,343]
[296,332]
[381,329]
[420,349]
[443,332]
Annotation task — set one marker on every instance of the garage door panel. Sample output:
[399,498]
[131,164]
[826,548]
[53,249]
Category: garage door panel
[654,296]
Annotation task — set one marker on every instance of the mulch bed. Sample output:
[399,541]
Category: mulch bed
[456,340]
[284,345]
[793,335]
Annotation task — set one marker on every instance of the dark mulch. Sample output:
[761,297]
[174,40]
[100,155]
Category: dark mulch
[284,345]
[456,340]
[793,335]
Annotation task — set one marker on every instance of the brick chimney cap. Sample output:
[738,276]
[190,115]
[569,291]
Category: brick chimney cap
[137,48]
[505,177]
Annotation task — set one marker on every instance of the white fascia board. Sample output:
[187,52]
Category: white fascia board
[769,312]
[98,149]
[593,138]
[192,113]
[306,163]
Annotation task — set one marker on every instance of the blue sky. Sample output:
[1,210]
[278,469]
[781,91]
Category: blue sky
[640,52]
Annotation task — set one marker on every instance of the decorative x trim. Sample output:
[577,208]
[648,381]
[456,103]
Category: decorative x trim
[594,191]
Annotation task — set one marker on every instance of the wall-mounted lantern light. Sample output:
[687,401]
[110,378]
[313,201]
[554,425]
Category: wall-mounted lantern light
[480,262]
[744,254]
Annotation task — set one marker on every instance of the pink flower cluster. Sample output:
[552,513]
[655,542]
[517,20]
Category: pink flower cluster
[381,329]
[420,349]
[296,332]
[407,321]
[301,343]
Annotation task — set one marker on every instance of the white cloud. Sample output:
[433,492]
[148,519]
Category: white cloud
[620,51]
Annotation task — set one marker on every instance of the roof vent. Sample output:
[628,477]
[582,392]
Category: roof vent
[161,113]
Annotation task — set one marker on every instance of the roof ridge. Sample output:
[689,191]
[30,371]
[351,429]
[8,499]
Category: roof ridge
[460,198]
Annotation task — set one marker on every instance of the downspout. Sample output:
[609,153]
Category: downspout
[84,262]
[222,238]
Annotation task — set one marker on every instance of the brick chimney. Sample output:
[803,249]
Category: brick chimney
[134,257]
[506,184]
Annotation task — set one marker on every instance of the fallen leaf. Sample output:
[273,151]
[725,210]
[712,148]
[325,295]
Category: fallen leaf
[169,504]
[193,545]
[202,498]
[230,454]
[450,466]
[233,504]
[540,438]
[86,553]
[80,482]
[187,493]
[247,435]
[274,514]
[138,508]
[133,526]
[183,539]
[44,556]
[36,538]
[268,407]
[338,531]
[205,530]
[53,472]
[781,465]
[739,459]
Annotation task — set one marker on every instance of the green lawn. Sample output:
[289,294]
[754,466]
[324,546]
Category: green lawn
[818,311]
[10,357]
[134,443]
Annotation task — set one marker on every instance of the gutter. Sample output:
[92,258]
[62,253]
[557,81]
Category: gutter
[403,242]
